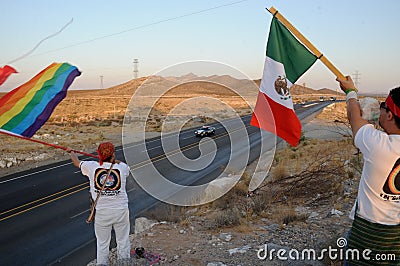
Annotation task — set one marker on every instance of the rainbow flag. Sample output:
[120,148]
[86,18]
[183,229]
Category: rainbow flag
[25,109]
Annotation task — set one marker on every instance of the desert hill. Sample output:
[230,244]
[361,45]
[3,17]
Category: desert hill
[157,83]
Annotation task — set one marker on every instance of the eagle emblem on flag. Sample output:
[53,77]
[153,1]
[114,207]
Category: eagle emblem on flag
[281,88]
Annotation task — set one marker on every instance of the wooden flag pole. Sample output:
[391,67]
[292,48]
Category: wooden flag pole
[306,42]
[46,143]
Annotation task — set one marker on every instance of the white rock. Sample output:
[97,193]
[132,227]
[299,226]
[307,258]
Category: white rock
[9,164]
[11,159]
[40,157]
[142,224]
[215,264]
[313,215]
[225,236]
[336,212]
[240,250]
[192,211]
[219,186]
[3,164]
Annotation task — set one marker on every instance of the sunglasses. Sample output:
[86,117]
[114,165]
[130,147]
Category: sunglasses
[383,105]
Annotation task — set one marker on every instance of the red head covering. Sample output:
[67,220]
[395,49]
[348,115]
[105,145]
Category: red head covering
[392,106]
[105,150]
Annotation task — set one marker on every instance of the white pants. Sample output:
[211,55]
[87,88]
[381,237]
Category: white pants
[105,220]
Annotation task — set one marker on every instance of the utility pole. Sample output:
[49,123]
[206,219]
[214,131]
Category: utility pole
[135,68]
[356,78]
[101,82]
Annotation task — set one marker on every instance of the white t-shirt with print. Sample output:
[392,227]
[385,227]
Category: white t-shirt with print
[114,194]
[379,188]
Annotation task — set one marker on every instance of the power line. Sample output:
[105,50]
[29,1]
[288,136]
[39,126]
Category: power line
[101,82]
[144,26]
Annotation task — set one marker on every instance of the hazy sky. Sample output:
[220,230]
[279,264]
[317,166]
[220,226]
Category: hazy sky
[358,36]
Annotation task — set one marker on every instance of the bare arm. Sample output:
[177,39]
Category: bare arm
[74,158]
[353,106]
[354,116]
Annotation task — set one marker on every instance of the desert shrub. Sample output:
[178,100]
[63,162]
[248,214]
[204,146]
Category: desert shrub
[261,202]
[227,218]
[280,170]
[294,217]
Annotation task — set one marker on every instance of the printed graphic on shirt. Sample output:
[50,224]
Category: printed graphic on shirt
[113,182]
[391,188]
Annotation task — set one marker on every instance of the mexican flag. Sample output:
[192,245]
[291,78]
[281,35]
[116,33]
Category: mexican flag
[287,59]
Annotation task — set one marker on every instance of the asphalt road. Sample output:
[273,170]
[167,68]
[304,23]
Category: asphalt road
[43,211]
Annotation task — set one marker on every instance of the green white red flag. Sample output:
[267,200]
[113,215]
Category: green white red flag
[287,59]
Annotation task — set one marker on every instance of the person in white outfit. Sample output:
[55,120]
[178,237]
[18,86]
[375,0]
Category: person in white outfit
[375,233]
[112,206]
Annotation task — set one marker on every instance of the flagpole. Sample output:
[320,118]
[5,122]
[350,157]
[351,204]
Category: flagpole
[46,143]
[306,42]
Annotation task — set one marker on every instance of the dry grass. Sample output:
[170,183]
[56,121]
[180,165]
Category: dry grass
[312,173]
[168,213]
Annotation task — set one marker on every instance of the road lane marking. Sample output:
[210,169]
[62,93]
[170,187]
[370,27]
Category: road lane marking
[41,204]
[309,105]
[120,149]
[76,215]
[48,196]
[33,173]
[187,147]
[152,160]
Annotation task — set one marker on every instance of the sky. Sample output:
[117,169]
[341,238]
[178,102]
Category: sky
[360,37]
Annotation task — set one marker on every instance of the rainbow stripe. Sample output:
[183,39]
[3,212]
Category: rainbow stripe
[25,109]
[392,180]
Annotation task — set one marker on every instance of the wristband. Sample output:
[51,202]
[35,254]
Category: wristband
[351,95]
[349,90]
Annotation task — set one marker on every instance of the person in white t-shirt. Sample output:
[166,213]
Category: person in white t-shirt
[376,212]
[112,207]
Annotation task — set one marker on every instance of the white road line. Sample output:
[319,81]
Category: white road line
[76,215]
[33,173]
[55,167]
[309,105]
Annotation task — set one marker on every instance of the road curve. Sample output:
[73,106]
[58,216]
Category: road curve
[43,211]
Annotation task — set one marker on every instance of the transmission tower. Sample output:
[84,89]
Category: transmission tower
[356,78]
[135,68]
[101,82]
